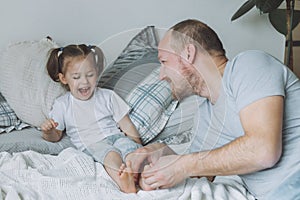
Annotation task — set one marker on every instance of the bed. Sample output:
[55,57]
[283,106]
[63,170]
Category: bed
[32,168]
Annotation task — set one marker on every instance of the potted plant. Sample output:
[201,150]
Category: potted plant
[283,20]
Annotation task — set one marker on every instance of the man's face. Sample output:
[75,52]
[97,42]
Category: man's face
[173,68]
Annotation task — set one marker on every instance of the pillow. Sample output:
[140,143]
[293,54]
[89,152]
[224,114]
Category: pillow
[151,105]
[121,75]
[7,116]
[18,126]
[179,128]
[25,83]
[131,76]
[130,79]
[31,139]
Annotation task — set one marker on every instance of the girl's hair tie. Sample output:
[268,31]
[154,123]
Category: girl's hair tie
[91,48]
[60,51]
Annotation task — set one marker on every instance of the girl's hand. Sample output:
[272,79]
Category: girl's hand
[50,133]
[48,125]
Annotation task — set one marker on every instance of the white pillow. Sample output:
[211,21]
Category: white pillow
[25,82]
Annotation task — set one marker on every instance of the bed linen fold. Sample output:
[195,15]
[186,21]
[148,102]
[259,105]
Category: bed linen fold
[73,175]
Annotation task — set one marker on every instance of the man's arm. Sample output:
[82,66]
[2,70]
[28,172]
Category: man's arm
[258,149]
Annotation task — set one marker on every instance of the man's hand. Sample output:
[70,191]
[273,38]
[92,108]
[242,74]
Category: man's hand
[145,155]
[166,172]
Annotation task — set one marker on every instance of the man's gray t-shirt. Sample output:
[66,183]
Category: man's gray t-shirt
[250,76]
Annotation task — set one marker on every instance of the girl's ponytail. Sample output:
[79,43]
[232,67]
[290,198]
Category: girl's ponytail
[99,57]
[53,65]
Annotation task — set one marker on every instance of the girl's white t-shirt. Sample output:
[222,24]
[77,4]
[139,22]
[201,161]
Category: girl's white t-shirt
[90,121]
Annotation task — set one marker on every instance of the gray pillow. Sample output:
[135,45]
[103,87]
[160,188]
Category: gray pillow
[140,51]
[31,139]
[131,78]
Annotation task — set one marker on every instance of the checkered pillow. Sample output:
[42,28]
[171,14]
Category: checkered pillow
[151,105]
[7,116]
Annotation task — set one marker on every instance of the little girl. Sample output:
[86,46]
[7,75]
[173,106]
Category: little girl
[96,119]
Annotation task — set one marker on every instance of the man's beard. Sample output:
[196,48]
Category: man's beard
[188,86]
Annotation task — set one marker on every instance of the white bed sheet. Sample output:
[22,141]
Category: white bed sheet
[73,175]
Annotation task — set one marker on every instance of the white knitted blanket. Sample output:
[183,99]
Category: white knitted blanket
[72,175]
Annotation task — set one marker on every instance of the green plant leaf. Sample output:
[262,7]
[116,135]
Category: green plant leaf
[243,9]
[278,20]
[267,6]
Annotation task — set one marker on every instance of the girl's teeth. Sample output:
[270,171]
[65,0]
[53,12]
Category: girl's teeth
[83,90]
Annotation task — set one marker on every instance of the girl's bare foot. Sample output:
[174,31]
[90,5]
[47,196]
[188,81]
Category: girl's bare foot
[142,184]
[126,177]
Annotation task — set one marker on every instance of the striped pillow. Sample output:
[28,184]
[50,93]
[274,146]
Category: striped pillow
[151,105]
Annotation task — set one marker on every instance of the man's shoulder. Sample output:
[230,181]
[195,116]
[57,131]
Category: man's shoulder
[253,61]
[253,53]
[257,57]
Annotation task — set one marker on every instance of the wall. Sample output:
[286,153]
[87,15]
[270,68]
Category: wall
[93,21]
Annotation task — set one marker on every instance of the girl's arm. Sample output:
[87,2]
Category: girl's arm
[129,129]
[50,133]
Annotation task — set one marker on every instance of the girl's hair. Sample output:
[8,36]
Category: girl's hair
[197,33]
[59,56]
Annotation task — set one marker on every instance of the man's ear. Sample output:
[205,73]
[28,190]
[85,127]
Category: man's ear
[62,79]
[191,53]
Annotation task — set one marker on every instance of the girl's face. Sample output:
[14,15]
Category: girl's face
[81,76]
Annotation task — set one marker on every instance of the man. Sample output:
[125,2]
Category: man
[248,126]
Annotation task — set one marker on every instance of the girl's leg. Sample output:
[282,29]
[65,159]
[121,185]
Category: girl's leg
[119,172]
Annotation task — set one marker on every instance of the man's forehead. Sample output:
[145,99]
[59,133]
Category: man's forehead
[165,41]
